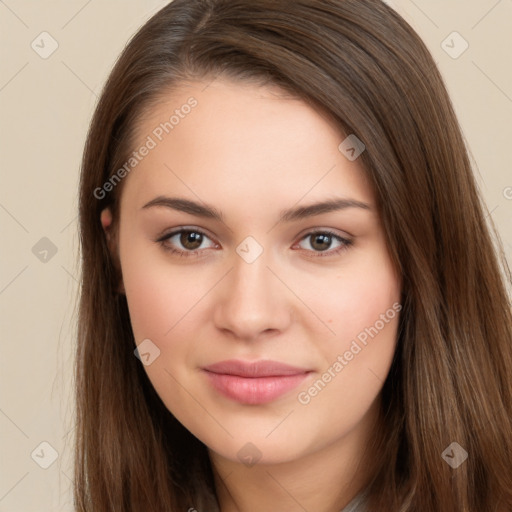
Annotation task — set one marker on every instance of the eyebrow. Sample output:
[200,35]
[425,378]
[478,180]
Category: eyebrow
[288,215]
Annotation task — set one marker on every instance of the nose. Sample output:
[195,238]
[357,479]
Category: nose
[251,301]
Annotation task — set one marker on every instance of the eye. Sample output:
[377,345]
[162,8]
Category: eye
[190,240]
[321,242]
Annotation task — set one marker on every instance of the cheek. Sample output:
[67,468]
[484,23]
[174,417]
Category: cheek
[364,315]
[150,303]
[358,296]
[159,296]
[161,300]
[361,307]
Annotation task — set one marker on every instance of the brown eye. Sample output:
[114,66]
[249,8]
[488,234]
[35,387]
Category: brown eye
[191,240]
[186,242]
[320,241]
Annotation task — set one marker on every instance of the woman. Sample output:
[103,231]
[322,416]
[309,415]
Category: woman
[290,297]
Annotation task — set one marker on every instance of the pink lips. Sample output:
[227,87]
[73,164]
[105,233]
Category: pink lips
[254,383]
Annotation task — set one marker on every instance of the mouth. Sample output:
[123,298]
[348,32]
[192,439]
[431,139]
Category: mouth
[254,383]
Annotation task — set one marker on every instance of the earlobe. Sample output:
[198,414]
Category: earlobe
[106,224]
[106,220]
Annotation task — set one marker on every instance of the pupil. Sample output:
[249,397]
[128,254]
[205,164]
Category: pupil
[318,240]
[191,240]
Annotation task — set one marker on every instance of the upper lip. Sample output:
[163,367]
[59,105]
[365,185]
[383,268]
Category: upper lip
[254,369]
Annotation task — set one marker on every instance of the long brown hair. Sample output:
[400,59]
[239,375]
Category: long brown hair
[450,380]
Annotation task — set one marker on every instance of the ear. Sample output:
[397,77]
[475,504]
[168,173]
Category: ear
[110,235]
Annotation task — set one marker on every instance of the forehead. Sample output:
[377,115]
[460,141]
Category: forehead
[236,139]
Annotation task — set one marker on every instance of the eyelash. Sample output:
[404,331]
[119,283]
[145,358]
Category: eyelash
[346,243]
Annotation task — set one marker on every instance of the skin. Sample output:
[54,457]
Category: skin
[250,152]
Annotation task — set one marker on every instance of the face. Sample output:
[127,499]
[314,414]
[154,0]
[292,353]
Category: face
[268,324]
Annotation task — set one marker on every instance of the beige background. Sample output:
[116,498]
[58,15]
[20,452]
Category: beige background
[45,108]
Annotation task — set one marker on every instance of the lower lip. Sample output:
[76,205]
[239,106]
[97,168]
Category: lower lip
[254,391]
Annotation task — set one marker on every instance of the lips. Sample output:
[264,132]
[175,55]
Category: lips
[256,382]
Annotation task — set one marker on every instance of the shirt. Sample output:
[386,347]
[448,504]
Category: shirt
[357,504]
